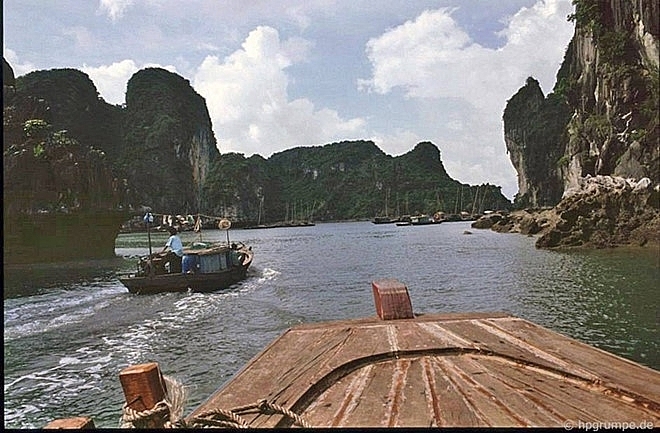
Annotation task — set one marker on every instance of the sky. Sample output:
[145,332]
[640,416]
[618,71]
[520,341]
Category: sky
[287,73]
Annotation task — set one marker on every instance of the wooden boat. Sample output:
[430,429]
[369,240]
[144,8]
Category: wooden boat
[458,370]
[384,220]
[405,370]
[420,220]
[214,267]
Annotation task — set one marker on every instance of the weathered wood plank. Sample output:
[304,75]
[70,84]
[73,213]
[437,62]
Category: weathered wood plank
[415,410]
[439,370]
[483,335]
[570,398]
[616,370]
[490,374]
[492,411]
[76,423]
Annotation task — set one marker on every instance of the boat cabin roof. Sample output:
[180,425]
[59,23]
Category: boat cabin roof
[200,250]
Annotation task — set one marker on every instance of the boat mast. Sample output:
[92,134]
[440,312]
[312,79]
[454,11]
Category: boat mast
[149,218]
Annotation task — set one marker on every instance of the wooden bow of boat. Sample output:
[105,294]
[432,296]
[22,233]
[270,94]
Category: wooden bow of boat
[404,370]
[474,369]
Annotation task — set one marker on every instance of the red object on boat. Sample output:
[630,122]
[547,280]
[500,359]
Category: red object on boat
[392,300]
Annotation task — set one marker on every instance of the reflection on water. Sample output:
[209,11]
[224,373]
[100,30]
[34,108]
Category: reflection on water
[69,329]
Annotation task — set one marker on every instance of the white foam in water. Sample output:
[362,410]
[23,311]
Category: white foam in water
[67,307]
[268,274]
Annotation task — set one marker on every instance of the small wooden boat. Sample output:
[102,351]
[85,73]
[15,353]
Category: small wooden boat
[211,268]
[384,220]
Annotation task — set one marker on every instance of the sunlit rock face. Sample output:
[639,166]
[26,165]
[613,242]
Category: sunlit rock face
[169,141]
[602,116]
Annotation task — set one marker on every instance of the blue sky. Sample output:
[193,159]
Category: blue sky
[281,74]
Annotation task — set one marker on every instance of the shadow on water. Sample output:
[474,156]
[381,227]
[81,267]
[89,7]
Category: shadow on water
[39,278]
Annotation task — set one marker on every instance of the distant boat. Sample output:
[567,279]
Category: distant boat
[423,220]
[281,224]
[404,220]
[384,220]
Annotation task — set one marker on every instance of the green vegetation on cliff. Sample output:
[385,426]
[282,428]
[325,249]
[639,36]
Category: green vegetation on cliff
[160,151]
[602,117]
[338,181]
[168,141]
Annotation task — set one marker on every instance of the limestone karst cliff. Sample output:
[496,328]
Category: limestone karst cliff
[590,149]
[534,130]
[76,167]
[61,199]
[602,117]
[168,141]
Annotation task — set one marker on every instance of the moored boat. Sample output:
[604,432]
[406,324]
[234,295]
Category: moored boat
[384,220]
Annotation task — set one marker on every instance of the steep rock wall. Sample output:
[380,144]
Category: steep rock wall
[168,139]
[609,80]
[534,131]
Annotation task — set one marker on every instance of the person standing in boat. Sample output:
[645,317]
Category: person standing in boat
[175,253]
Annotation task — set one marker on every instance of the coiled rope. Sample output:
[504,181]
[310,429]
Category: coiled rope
[174,403]
[232,418]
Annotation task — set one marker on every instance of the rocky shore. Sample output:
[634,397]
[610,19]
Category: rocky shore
[602,212]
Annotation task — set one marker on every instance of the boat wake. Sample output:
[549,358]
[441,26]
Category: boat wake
[263,275]
[47,312]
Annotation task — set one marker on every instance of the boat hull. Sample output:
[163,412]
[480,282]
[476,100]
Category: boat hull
[178,282]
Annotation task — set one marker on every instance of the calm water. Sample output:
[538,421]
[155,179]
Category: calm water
[69,331]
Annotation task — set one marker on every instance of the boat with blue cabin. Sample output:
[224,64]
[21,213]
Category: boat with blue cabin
[205,268]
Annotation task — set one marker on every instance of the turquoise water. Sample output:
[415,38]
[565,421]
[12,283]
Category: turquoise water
[70,329]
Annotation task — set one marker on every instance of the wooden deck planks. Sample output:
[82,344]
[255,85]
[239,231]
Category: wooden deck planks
[626,374]
[440,370]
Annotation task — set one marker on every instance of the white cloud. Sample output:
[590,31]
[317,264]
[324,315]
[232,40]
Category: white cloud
[434,61]
[16,64]
[246,94]
[111,80]
[82,37]
[115,8]
[397,143]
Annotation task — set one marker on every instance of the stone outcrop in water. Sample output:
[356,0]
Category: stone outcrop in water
[76,167]
[168,141]
[61,200]
[602,211]
[534,128]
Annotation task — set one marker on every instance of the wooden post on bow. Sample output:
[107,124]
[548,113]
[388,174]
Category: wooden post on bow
[143,389]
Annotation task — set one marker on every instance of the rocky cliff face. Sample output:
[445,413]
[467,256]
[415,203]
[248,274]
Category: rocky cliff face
[168,139]
[61,199]
[603,211]
[608,84]
[591,148]
[75,167]
[534,134]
